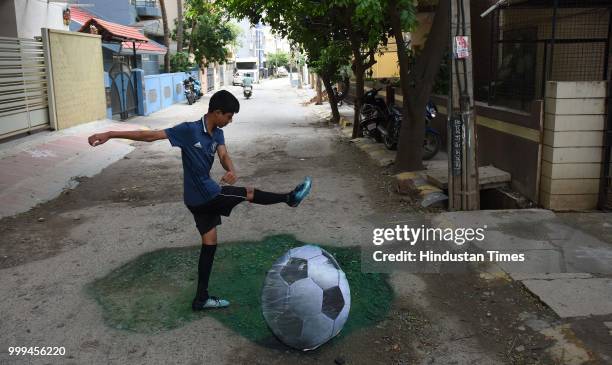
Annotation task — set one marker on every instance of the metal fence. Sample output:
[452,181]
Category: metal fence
[23,86]
[545,40]
[605,193]
[148,3]
[210,79]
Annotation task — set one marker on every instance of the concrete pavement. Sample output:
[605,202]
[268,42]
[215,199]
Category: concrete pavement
[37,168]
[570,256]
[569,266]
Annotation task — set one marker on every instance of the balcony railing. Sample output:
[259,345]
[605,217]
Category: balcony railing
[148,3]
[147,8]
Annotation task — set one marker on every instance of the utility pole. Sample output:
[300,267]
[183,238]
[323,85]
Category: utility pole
[463,187]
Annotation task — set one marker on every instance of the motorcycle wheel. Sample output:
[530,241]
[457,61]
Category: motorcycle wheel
[431,145]
[190,99]
[389,144]
[374,134]
[390,140]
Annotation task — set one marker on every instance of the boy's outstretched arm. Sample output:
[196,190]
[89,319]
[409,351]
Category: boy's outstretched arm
[230,176]
[145,136]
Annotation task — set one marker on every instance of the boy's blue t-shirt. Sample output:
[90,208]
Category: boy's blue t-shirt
[198,148]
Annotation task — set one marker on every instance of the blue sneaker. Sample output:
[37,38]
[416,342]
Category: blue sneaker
[210,303]
[300,192]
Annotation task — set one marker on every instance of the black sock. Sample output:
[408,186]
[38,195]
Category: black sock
[266,198]
[207,255]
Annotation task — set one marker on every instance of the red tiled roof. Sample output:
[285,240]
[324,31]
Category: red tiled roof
[149,46]
[79,15]
[129,34]
[122,32]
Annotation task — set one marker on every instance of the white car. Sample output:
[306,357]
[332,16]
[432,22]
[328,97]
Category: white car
[282,71]
[237,79]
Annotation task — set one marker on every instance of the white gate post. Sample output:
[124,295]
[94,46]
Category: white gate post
[49,72]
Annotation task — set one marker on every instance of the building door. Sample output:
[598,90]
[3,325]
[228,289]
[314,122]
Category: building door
[123,91]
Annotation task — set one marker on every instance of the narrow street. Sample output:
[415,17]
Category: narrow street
[50,254]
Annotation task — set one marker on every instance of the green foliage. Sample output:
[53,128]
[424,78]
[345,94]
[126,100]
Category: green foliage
[332,61]
[208,31]
[278,59]
[440,86]
[180,62]
[154,292]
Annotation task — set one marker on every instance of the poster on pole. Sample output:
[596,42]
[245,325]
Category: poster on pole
[462,47]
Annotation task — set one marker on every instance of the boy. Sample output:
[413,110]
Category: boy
[206,200]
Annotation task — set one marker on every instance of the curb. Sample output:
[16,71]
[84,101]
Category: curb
[413,183]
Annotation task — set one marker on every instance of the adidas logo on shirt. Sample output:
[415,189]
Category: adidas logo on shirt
[198,145]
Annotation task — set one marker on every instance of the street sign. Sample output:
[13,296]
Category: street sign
[456,145]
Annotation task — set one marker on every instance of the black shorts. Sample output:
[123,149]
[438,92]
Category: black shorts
[208,215]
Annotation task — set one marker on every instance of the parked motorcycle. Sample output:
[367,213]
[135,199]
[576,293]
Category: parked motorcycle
[192,89]
[339,95]
[383,122]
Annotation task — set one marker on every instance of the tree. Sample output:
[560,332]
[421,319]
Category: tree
[162,5]
[179,27]
[306,24]
[179,62]
[330,64]
[359,25]
[416,82]
[278,59]
[211,32]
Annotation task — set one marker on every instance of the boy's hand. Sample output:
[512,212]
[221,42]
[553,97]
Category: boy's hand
[229,178]
[97,139]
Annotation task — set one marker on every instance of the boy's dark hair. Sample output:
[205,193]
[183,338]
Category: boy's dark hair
[223,100]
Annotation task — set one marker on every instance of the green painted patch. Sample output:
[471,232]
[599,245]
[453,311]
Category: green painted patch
[154,292]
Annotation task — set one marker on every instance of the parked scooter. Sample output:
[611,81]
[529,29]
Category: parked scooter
[383,122]
[188,89]
[197,88]
[192,89]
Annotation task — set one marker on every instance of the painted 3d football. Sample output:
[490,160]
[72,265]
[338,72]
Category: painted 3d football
[306,298]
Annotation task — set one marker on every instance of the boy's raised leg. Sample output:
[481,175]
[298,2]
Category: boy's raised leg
[293,198]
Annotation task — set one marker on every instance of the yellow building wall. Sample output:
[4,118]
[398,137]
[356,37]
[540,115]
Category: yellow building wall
[387,65]
[78,78]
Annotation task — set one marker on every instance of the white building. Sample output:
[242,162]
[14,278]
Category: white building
[23,19]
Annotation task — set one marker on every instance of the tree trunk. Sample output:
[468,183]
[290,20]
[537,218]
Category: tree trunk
[319,93]
[359,83]
[193,25]
[162,5]
[333,103]
[179,26]
[417,84]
